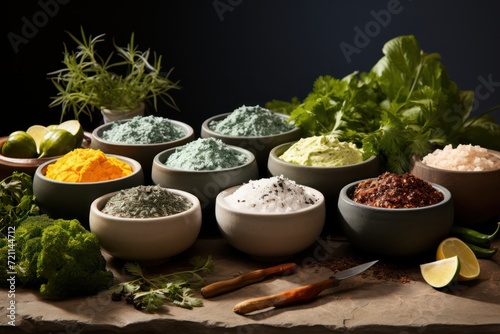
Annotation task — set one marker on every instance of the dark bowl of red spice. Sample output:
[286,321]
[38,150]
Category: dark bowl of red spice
[395,215]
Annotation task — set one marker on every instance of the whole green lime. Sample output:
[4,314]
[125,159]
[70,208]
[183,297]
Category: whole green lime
[57,142]
[19,144]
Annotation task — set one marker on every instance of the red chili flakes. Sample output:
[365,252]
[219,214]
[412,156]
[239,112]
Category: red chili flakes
[382,271]
[396,191]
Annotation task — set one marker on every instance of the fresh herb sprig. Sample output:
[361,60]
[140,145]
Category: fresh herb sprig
[16,200]
[150,293]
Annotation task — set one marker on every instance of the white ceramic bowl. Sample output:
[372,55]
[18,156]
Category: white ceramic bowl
[260,146]
[204,184]
[143,153]
[72,200]
[395,232]
[270,236]
[146,240]
[328,180]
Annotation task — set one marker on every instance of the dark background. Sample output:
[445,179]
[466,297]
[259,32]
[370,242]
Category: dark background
[229,53]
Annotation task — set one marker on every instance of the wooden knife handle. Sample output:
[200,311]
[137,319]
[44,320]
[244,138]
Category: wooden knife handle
[288,297]
[221,287]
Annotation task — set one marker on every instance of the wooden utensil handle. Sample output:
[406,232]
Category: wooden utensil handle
[218,288]
[289,297]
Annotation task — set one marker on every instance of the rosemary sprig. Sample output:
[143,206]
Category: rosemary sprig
[151,293]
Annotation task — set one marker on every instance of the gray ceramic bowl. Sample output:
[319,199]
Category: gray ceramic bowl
[475,194]
[270,236]
[143,153]
[72,200]
[259,146]
[328,180]
[205,185]
[395,232]
[146,240]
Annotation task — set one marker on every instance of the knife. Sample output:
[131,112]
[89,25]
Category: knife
[298,295]
[237,282]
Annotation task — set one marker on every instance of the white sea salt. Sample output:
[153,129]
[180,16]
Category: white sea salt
[462,158]
[274,194]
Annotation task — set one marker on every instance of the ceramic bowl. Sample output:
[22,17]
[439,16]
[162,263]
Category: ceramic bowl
[272,236]
[144,153]
[259,146]
[328,180]
[395,232]
[146,240]
[204,184]
[475,194]
[28,166]
[72,200]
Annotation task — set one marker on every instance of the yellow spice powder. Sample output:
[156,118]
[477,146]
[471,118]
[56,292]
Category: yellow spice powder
[87,165]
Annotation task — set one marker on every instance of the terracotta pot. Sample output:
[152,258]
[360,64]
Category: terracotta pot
[116,115]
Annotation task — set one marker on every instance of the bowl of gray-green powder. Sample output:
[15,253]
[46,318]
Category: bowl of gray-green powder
[149,224]
[253,128]
[204,167]
[141,138]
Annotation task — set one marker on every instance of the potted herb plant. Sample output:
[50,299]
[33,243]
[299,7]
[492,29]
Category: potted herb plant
[118,85]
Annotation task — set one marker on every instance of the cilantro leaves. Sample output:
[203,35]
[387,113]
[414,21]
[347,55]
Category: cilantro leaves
[405,105]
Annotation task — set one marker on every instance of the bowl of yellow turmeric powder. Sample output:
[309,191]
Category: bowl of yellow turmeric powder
[65,187]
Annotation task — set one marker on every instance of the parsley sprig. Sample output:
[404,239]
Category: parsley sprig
[16,200]
[150,293]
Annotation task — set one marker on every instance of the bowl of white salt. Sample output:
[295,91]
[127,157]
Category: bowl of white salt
[472,175]
[254,128]
[270,219]
[141,138]
[204,167]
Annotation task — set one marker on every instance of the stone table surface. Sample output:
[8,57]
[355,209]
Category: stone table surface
[390,297]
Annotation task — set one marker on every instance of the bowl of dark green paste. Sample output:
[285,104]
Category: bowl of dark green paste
[204,167]
[149,224]
[253,128]
[141,138]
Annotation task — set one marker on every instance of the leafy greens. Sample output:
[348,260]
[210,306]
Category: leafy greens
[406,105]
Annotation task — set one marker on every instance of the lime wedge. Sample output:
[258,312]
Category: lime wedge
[441,273]
[74,127]
[37,132]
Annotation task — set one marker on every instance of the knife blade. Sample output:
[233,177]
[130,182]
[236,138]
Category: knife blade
[237,282]
[298,295]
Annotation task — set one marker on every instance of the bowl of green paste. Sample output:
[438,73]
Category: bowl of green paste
[253,128]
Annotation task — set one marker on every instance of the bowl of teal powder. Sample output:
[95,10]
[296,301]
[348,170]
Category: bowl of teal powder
[253,128]
[141,138]
[204,167]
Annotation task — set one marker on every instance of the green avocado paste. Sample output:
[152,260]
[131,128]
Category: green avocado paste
[322,151]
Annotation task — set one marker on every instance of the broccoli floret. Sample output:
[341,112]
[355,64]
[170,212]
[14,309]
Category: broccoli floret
[4,248]
[61,257]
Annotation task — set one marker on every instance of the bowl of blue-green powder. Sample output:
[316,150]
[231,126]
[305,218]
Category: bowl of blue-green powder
[204,167]
[141,138]
[254,128]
